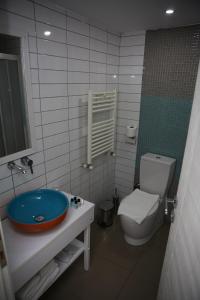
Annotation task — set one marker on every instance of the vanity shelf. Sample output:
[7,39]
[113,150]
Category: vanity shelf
[63,266]
[79,249]
[29,253]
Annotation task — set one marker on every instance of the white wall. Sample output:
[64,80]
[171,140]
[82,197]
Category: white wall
[180,278]
[77,56]
[130,83]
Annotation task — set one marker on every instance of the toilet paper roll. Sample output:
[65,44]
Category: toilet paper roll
[131,131]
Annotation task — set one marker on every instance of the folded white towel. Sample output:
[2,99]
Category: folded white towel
[39,282]
[49,268]
[66,254]
[63,257]
[45,283]
[137,205]
[28,287]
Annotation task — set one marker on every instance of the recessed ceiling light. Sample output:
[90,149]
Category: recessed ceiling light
[47,33]
[169,11]
[114,76]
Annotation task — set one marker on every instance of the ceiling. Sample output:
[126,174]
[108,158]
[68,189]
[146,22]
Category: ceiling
[129,15]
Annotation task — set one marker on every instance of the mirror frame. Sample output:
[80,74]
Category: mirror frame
[27,89]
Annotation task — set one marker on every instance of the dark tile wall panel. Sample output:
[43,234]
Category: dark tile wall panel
[170,69]
[171,61]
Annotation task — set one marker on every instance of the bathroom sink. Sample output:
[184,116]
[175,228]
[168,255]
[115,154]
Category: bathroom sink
[38,210]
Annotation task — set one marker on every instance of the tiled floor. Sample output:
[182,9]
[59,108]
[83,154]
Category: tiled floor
[118,271]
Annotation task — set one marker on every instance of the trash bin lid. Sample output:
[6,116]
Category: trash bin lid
[106,205]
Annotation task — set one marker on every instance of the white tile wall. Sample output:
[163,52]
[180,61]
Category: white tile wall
[50,16]
[77,56]
[130,83]
[180,274]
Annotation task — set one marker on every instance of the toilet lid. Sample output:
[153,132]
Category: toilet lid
[138,205]
[153,209]
[137,194]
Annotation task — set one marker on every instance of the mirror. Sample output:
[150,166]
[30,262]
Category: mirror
[15,128]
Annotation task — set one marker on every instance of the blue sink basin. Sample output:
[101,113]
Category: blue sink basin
[38,210]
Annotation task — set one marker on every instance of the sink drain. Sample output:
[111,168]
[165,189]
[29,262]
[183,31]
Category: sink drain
[39,219]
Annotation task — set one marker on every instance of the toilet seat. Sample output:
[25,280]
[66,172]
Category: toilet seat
[148,204]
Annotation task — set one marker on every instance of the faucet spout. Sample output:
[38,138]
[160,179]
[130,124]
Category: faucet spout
[23,171]
[12,166]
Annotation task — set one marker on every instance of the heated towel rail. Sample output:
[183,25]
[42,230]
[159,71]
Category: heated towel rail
[101,124]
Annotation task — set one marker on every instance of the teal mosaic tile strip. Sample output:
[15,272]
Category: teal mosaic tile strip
[171,62]
[163,128]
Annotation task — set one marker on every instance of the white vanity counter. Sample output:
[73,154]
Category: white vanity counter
[28,253]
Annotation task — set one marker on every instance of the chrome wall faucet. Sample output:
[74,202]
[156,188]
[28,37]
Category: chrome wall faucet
[12,166]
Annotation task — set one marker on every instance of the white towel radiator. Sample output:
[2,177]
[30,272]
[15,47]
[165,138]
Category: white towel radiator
[101,124]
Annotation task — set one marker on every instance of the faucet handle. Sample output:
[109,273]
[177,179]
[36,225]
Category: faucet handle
[30,164]
[27,162]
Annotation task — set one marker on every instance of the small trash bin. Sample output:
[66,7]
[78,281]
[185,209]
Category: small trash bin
[106,213]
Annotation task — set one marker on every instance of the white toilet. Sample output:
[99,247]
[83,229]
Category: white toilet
[141,212]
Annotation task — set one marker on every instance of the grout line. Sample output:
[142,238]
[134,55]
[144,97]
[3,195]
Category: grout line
[131,35]
[61,121]
[132,55]
[51,110]
[130,65]
[39,91]
[52,135]
[53,97]
[73,45]
[131,46]
[75,32]
[66,18]
[56,146]
[17,14]
[62,176]
[9,190]
[80,59]
[61,155]
[74,71]
[12,183]
[27,181]
[88,82]
[90,171]
[65,12]
[120,101]
[2,178]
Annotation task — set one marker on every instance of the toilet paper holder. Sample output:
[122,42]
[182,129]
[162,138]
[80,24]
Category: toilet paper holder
[129,140]
[131,134]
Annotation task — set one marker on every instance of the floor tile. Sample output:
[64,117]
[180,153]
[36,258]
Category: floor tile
[113,247]
[118,271]
[103,281]
[143,282]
